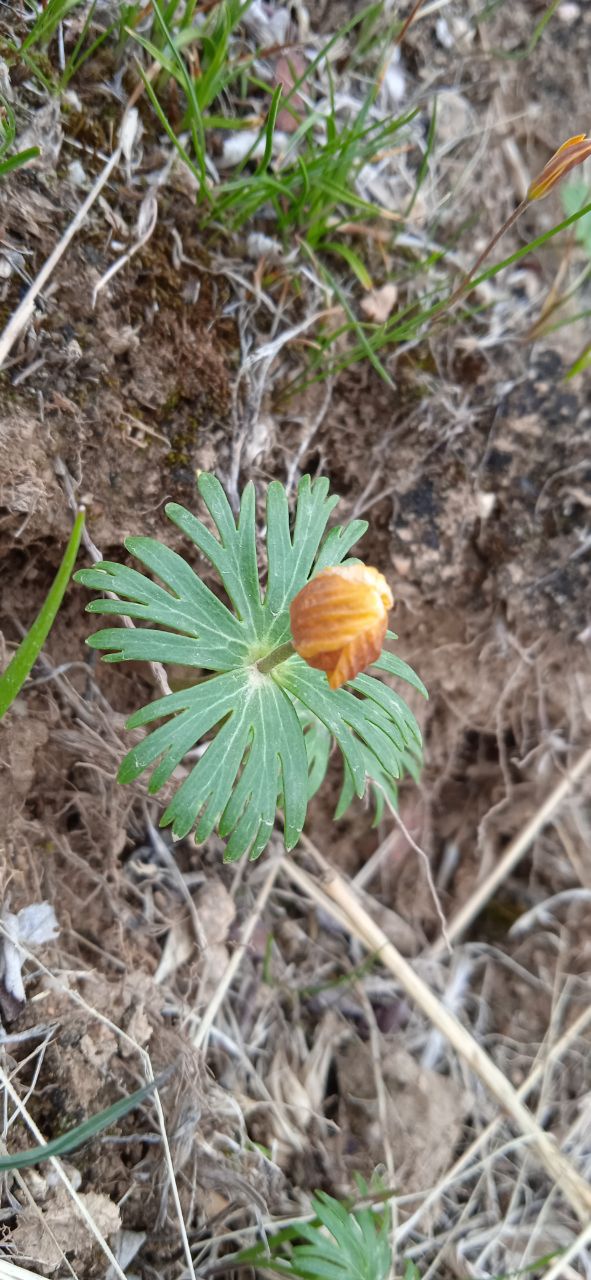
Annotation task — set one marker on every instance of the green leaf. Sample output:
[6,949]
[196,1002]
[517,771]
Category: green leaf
[356,1248]
[74,1138]
[575,194]
[351,258]
[318,742]
[16,162]
[265,729]
[13,678]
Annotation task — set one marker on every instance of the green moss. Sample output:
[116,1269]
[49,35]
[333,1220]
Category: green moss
[182,444]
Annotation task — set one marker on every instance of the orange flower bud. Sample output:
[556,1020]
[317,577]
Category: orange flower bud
[339,620]
[571,153]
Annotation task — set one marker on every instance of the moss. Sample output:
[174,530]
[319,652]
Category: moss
[182,444]
[171,404]
[88,129]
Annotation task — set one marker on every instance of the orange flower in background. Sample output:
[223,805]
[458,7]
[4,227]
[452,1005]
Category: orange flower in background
[339,620]
[571,153]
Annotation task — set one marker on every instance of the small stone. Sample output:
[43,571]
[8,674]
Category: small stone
[568,12]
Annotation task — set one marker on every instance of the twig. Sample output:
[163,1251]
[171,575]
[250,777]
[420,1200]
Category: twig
[573,1251]
[24,311]
[514,852]
[9,1271]
[574,1187]
[213,1008]
[80,1206]
[556,1052]
[444,940]
[408,21]
[144,1056]
[466,280]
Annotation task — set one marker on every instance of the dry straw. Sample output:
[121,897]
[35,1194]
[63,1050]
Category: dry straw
[336,892]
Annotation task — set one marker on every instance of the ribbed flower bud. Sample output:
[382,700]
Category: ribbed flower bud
[339,620]
[571,153]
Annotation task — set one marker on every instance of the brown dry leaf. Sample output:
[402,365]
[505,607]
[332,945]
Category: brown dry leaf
[179,946]
[22,743]
[287,71]
[292,1101]
[215,961]
[299,1089]
[424,1111]
[139,1028]
[378,303]
[216,911]
[45,132]
[44,1234]
[402,935]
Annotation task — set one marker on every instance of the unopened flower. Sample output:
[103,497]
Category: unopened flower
[339,620]
[571,153]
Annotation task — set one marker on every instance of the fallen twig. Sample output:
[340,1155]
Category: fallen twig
[513,853]
[336,891]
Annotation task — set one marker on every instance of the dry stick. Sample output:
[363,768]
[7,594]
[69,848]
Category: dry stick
[408,21]
[9,1271]
[466,282]
[79,1000]
[213,1008]
[24,311]
[573,1186]
[81,1207]
[573,1251]
[516,850]
[556,1052]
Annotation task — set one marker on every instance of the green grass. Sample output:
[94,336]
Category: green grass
[303,187]
[76,1137]
[9,162]
[13,678]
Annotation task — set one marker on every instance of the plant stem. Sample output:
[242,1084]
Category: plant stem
[466,282]
[280,654]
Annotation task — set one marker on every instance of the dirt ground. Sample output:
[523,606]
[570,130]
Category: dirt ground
[474,474]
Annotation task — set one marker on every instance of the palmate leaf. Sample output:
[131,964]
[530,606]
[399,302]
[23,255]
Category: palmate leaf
[267,734]
[340,1244]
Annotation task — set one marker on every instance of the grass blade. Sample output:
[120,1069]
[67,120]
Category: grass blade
[15,162]
[74,1138]
[28,651]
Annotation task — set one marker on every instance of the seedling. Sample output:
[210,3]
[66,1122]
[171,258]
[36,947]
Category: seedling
[265,718]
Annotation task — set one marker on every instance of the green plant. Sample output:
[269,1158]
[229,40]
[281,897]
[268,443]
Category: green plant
[338,1244]
[13,678]
[312,189]
[575,196]
[414,320]
[81,1133]
[9,163]
[273,717]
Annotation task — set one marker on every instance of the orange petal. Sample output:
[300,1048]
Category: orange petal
[339,620]
[358,655]
[572,152]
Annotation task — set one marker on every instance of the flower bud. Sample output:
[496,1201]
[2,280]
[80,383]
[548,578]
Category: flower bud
[571,153]
[339,620]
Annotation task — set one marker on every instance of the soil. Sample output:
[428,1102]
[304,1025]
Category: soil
[475,475]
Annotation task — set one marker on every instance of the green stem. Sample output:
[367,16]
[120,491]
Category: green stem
[280,654]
